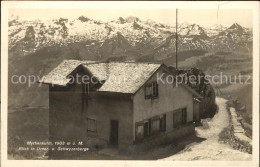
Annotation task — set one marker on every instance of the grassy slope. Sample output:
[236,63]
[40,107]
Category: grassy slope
[27,125]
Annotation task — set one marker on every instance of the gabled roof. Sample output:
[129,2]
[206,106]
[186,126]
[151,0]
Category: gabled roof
[121,77]
[58,76]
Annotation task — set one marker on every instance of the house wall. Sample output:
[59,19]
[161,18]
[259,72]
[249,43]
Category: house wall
[68,115]
[170,99]
[106,106]
[67,122]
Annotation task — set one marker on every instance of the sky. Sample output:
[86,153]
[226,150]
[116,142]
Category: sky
[203,17]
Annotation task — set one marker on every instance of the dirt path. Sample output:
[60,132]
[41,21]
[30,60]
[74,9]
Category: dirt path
[211,149]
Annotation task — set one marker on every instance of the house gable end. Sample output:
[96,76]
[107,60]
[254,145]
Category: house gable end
[163,66]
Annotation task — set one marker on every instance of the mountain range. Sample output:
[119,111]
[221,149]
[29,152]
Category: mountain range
[38,46]
[124,36]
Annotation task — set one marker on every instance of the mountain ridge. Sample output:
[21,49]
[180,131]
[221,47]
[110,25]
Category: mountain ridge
[33,35]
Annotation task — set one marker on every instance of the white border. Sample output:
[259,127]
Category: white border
[134,4]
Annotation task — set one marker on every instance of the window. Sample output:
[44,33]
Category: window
[139,131]
[163,123]
[151,90]
[179,117]
[152,126]
[91,125]
[85,91]
[155,125]
[148,91]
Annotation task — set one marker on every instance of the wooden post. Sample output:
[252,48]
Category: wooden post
[176,45]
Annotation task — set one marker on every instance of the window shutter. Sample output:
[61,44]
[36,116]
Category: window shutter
[139,132]
[155,125]
[184,116]
[156,89]
[163,123]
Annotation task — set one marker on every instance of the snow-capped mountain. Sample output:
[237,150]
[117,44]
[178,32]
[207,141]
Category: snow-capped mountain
[29,36]
[192,30]
[215,29]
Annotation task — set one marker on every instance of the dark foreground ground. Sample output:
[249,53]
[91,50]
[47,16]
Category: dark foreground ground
[28,124]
